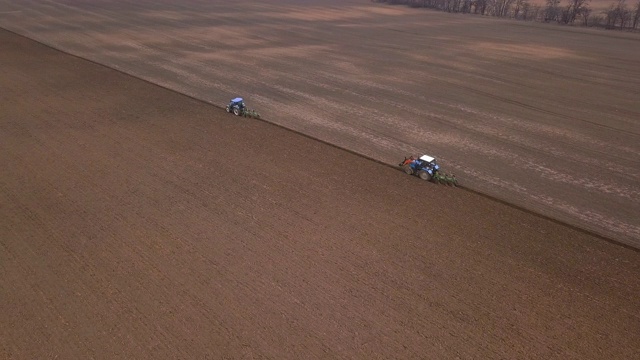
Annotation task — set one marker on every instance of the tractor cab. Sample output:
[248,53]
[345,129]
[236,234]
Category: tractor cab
[424,166]
[427,162]
[236,106]
[237,102]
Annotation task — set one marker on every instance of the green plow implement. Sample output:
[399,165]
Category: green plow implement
[446,179]
[250,113]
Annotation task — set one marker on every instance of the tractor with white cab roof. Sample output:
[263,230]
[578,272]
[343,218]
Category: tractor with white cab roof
[426,168]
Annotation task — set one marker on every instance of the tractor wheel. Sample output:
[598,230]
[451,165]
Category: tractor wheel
[236,111]
[407,169]
[424,175]
[228,109]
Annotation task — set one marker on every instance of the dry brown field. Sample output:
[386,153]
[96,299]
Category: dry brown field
[136,222]
[139,221]
[541,116]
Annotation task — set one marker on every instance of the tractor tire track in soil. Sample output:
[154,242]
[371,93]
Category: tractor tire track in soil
[136,222]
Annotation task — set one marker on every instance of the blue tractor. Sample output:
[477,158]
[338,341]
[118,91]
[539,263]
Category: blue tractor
[236,106]
[426,168]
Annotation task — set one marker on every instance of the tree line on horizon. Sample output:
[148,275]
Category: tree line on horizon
[618,15]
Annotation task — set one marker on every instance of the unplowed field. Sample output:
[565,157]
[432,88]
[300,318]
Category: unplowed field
[136,222]
[543,116]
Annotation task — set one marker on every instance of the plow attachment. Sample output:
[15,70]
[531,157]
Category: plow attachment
[446,179]
[250,113]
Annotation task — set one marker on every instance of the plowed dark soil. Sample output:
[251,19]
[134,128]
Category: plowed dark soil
[139,223]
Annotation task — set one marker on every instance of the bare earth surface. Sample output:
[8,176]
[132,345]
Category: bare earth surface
[542,116]
[136,222]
